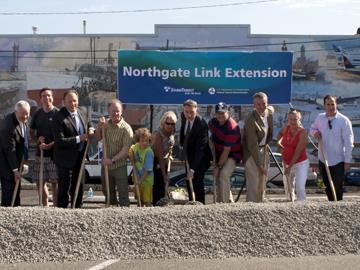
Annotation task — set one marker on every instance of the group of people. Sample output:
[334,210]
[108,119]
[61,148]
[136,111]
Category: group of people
[62,136]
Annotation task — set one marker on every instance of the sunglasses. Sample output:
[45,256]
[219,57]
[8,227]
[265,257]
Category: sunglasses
[329,124]
[170,124]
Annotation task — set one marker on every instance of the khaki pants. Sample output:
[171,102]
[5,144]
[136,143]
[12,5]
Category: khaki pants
[223,183]
[118,181]
[255,181]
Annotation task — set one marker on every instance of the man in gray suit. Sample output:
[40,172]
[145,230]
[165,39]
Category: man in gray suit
[258,132]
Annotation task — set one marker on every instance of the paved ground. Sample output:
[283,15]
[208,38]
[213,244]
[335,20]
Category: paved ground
[313,263]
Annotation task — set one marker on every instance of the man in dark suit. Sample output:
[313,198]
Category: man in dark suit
[70,130]
[13,149]
[194,139]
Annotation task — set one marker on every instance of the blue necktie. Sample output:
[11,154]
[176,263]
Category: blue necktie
[79,128]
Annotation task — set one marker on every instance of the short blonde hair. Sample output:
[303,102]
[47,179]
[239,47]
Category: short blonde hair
[296,113]
[166,115]
[142,133]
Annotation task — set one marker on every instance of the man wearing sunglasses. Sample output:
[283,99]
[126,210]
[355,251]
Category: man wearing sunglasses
[335,131]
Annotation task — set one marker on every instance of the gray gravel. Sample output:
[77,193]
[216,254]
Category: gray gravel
[225,230]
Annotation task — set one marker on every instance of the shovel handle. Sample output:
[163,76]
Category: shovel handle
[190,182]
[212,148]
[136,181]
[41,177]
[81,172]
[17,183]
[106,167]
[332,187]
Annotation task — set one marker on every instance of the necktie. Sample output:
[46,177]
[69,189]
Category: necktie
[79,128]
[187,132]
[78,124]
[26,142]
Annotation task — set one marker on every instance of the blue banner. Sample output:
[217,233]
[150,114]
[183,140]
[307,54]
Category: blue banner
[171,77]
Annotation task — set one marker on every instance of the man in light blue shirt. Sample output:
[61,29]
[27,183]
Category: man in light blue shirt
[335,131]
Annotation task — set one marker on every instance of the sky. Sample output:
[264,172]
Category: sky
[309,17]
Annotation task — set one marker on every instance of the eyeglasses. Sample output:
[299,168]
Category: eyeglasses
[329,124]
[170,124]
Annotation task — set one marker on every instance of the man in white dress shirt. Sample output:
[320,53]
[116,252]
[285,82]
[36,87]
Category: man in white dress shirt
[335,131]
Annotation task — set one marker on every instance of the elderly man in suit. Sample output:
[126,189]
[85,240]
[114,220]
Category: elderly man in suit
[258,132]
[13,149]
[194,139]
[70,130]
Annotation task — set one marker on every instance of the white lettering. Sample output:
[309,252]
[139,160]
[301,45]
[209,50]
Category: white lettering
[257,73]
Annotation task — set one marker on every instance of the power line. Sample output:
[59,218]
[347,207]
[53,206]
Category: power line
[136,10]
[199,47]
[115,57]
[259,45]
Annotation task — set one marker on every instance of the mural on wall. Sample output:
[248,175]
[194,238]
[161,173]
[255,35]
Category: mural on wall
[321,65]
[87,64]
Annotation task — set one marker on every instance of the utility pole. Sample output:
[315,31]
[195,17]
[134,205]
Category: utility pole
[84,27]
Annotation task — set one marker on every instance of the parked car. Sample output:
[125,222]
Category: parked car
[178,179]
[352,177]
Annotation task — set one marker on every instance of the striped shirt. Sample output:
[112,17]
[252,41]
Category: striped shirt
[227,135]
[117,136]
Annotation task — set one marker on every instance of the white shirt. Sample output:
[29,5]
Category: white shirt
[76,117]
[338,141]
[266,128]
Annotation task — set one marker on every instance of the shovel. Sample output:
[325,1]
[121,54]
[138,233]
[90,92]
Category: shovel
[41,177]
[193,202]
[212,148]
[136,181]
[166,200]
[262,179]
[106,168]
[81,172]
[332,187]
[292,199]
[282,172]
[17,183]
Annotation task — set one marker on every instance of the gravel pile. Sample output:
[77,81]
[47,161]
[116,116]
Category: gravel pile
[225,230]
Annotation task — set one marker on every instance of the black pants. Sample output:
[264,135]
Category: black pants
[7,189]
[198,184]
[67,179]
[159,185]
[338,175]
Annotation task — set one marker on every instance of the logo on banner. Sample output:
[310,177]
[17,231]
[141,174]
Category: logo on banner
[212,91]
